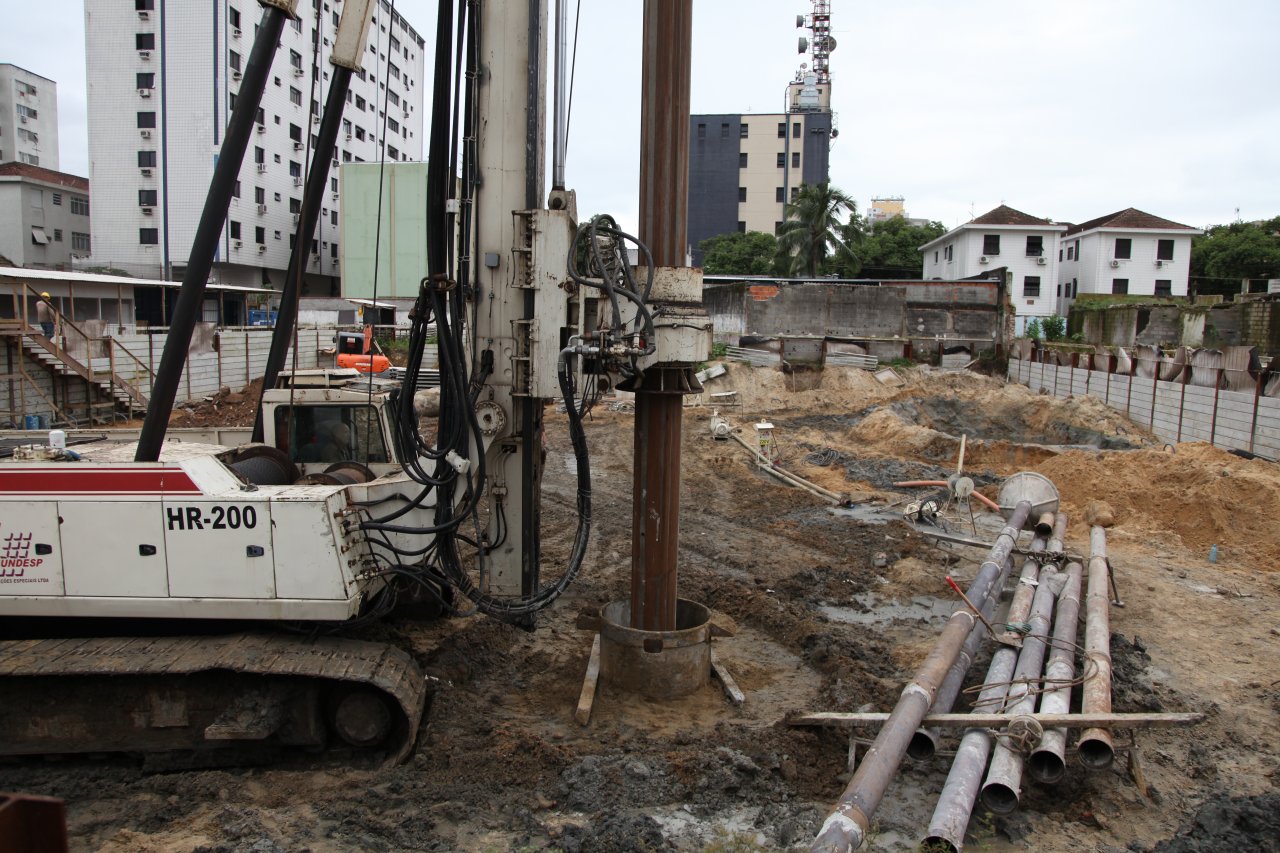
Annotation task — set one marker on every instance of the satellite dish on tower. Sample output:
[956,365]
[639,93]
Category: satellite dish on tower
[803,45]
[799,21]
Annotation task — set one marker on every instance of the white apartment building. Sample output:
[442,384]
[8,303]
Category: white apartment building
[1026,245]
[28,118]
[162,81]
[44,217]
[1128,252]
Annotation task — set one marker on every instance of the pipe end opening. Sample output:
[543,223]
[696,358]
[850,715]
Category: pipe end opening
[1046,768]
[938,844]
[922,747]
[1096,754]
[1000,798]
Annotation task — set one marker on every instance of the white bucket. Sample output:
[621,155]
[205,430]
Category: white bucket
[58,439]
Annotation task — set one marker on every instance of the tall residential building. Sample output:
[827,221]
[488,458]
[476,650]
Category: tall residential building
[28,117]
[744,168]
[44,216]
[886,208]
[162,80]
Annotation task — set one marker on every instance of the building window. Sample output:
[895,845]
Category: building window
[146,80]
[1164,250]
[295,169]
[394,125]
[333,183]
[393,153]
[742,227]
[79,242]
[233,229]
[782,160]
[1059,256]
[1164,286]
[742,131]
[145,41]
[702,130]
[295,59]
[146,159]
[782,130]
[1075,288]
[779,195]
[57,199]
[295,205]
[742,160]
[79,206]
[742,194]
[57,235]
[935,256]
[333,250]
[1124,248]
[259,154]
[146,120]
[233,16]
[1120,285]
[1035,247]
[233,59]
[946,253]
[1031,287]
[393,98]
[144,5]
[393,70]
[147,198]
[1077,250]
[777,227]
[795,130]
[149,236]
[1071,253]
[260,234]
[259,195]
[295,96]
[26,111]
[795,160]
[795,191]
[990,244]
[360,103]
[295,133]
[333,217]
[724,130]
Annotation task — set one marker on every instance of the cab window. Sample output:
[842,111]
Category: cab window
[330,434]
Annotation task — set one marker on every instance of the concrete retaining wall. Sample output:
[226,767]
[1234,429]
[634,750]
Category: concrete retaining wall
[1173,411]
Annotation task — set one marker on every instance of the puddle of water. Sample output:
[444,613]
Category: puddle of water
[882,612]
[868,513]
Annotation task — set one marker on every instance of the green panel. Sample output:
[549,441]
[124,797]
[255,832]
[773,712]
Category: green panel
[400,243]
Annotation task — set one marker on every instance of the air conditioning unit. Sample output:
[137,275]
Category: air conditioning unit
[146,134]
[297,72]
[147,211]
[235,75]
[262,128]
[1041,261]
[262,208]
[261,248]
[262,167]
[235,33]
[143,14]
[297,182]
[315,119]
[297,218]
[335,196]
[236,244]
[144,93]
[144,54]
[1115,264]
[983,260]
[1159,264]
[146,173]
[297,146]
[22,119]
[348,137]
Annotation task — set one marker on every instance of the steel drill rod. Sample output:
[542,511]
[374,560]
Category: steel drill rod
[1003,785]
[1095,748]
[1047,763]
[846,827]
[955,804]
[983,718]
[655,515]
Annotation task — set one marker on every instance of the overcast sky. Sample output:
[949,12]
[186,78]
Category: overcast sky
[1066,111]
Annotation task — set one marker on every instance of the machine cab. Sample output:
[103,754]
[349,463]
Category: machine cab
[323,417]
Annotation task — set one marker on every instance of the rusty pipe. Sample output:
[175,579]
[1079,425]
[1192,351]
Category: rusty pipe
[846,827]
[1045,524]
[1003,785]
[1095,747]
[1047,763]
[955,804]
[978,496]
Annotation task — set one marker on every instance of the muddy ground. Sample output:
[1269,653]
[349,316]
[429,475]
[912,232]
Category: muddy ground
[833,612]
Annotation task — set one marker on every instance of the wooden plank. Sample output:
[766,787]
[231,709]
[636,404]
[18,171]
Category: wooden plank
[588,696]
[731,689]
[1048,721]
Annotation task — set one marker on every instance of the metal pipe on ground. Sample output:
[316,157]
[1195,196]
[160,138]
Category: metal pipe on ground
[792,479]
[955,804]
[1095,748]
[1003,785]
[846,827]
[1047,763]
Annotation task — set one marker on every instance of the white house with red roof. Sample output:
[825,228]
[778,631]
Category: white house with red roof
[1027,246]
[1127,252]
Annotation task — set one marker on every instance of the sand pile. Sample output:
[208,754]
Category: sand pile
[1201,494]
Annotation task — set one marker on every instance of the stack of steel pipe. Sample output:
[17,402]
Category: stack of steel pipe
[955,805]
[1095,747]
[1047,763]
[846,827]
[1003,786]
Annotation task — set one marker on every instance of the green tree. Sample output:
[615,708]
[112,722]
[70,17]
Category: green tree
[1225,254]
[1033,329]
[811,230]
[895,244]
[749,253]
[1054,327]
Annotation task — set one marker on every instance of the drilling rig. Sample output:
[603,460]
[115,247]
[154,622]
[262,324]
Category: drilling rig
[145,582]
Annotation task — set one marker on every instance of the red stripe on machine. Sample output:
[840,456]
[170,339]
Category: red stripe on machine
[120,481]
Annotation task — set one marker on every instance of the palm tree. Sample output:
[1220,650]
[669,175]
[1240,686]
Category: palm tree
[811,230]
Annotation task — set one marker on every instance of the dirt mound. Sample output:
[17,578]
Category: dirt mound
[225,408]
[1230,823]
[1202,495]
